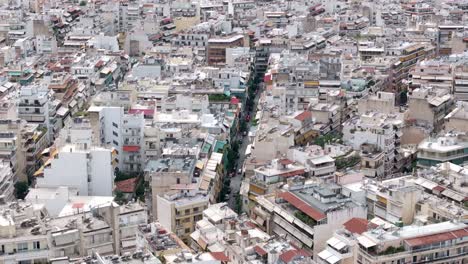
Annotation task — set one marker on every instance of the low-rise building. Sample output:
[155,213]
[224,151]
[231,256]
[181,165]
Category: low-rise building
[179,209]
[452,147]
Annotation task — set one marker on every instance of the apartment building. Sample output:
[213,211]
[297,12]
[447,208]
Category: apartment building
[452,147]
[434,243]
[306,214]
[269,177]
[21,145]
[429,106]
[167,171]
[123,132]
[316,162]
[393,200]
[457,120]
[7,181]
[432,73]
[36,105]
[460,85]
[179,209]
[89,170]
[381,130]
[216,48]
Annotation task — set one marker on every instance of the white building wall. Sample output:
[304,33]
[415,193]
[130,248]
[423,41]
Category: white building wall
[335,220]
[68,169]
[164,213]
[102,174]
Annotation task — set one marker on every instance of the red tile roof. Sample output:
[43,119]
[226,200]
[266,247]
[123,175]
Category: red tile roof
[126,186]
[356,225]
[303,116]
[292,173]
[220,256]
[285,161]
[301,205]
[436,238]
[289,255]
[260,251]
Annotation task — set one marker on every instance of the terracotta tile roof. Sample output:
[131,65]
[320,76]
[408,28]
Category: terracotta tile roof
[289,255]
[220,256]
[301,205]
[303,116]
[436,238]
[292,173]
[126,186]
[260,251]
[356,225]
[285,161]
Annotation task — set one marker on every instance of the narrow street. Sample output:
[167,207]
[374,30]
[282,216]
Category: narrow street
[236,180]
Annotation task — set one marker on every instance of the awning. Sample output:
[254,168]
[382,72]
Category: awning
[201,243]
[200,165]
[128,243]
[453,195]
[336,243]
[329,257]
[131,148]
[259,220]
[366,242]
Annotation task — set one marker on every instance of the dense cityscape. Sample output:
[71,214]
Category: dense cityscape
[234,131]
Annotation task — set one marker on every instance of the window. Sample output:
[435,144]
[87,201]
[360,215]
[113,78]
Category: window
[115,125]
[187,230]
[115,133]
[187,211]
[22,247]
[36,245]
[178,180]
[115,142]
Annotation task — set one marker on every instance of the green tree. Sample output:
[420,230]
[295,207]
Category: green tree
[83,3]
[403,97]
[119,197]
[21,189]
[140,191]
[121,176]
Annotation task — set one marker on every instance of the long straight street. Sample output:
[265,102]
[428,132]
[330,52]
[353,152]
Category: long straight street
[236,180]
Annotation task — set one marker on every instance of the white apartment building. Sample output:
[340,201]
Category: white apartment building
[122,132]
[84,168]
[306,215]
[46,45]
[381,130]
[393,200]
[36,105]
[316,162]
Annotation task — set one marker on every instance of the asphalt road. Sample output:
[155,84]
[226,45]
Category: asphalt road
[237,179]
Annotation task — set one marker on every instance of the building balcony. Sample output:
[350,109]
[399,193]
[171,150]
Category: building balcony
[30,255]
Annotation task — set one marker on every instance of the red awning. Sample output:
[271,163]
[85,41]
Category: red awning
[292,173]
[146,112]
[436,238]
[131,148]
[302,206]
